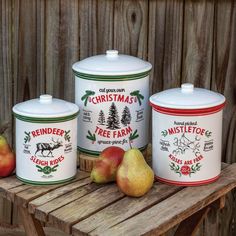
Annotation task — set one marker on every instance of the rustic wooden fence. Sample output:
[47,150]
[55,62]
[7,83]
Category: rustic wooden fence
[191,40]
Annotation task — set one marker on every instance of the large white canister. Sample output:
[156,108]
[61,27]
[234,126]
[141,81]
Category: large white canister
[187,135]
[46,140]
[112,91]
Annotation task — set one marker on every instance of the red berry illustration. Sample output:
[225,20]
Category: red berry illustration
[185,170]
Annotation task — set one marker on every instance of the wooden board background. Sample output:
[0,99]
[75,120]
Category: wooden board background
[191,40]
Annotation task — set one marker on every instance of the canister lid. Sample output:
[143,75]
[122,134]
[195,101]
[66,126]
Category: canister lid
[187,97]
[45,107]
[112,63]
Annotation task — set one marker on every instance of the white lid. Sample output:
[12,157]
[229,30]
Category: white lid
[112,63]
[187,97]
[45,107]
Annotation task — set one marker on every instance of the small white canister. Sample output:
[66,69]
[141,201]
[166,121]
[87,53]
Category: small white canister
[112,91]
[46,140]
[187,135]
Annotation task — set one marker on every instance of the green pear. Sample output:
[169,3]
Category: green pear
[134,175]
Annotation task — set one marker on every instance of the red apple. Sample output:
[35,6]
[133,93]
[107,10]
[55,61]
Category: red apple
[106,166]
[7,158]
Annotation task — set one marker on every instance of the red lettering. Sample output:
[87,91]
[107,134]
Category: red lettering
[33,133]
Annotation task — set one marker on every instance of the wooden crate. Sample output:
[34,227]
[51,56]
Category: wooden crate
[185,40]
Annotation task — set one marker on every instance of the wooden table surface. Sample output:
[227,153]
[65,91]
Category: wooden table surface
[81,207]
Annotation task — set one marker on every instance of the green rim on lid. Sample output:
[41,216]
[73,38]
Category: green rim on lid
[111,66]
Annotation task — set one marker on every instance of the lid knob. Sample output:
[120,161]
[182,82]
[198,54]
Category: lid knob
[187,88]
[112,53]
[45,98]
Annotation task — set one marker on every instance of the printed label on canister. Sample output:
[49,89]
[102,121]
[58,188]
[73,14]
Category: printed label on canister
[112,113]
[187,149]
[46,152]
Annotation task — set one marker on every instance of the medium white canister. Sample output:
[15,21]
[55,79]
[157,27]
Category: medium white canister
[46,140]
[186,135]
[112,91]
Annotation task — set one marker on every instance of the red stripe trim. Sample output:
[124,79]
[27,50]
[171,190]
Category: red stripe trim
[188,112]
[193,183]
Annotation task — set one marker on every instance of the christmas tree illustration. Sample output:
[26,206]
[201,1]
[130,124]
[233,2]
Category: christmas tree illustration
[113,118]
[101,118]
[126,117]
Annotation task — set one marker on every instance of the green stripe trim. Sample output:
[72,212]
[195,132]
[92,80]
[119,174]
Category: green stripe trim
[96,153]
[44,183]
[45,120]
[111,77]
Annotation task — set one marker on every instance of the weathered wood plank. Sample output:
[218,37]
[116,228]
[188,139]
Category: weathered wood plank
[198,42]
[72,213]
[42,212]
[68,46]
[123,209]
[130,27]
[31,225]
[6,68]
[224,71]
[96,27]
[56,193]
[52,37]
[26,81]
[105,23]
[190,225]
[183,204]
[165,43]
[24,197]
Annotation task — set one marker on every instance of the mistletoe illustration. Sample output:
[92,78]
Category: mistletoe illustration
[139,96]
[85,97]
[67,136]
[194,169]
[208,134]
[185,169]
[164,133]
[27,137]
[47,169]
[134,135]
[175,168]
[91,136]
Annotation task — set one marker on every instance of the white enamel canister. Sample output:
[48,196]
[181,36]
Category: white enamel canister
[112,91]
[187,135]
[46,140]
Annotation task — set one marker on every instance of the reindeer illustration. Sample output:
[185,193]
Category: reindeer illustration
[184,144]
[48,147]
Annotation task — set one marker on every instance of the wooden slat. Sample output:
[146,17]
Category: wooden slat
[191,224]
[176,208]
[31,225]
[24,197]
[96,21]
[72,213]
[198,42]
[224,72]
[52,36]
[9,182]
[123,209]
[105,25]
[6,68]
[26,81]
[10,194]
[56,193]
[42,212]
[68,47]
[130,27]
[165,43]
